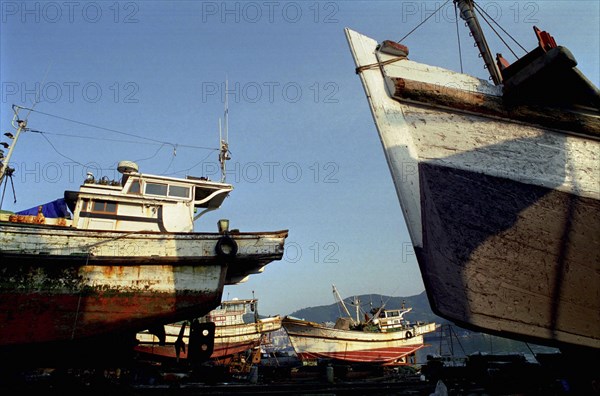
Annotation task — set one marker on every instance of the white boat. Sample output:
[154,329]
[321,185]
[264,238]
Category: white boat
[234,334]
[386,338]
[117,257]
[499,184]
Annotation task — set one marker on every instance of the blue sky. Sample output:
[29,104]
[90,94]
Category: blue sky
[305,152]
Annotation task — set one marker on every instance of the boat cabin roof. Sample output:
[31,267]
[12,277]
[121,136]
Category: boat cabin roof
[135,186]
[393,313]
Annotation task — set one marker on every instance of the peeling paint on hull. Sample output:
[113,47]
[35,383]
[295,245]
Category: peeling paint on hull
[48,311]
[59,284]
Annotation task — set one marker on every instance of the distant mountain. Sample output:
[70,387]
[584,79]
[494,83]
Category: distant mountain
[421,310]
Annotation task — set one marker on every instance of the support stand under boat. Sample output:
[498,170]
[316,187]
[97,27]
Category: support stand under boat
[201,341]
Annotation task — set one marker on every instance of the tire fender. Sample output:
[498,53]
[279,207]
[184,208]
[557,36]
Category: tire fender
[226,247]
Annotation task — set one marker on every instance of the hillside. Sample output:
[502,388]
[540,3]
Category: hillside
[329,313]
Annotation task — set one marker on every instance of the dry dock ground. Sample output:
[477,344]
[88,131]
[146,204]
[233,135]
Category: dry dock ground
[287,381]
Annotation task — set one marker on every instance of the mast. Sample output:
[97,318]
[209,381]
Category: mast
[341,302]
[357,306]
[224,143]
[20,126]
[467,12]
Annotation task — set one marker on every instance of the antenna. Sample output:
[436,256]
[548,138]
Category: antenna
[5,169]
[226,109]
[20,126]
[224,144]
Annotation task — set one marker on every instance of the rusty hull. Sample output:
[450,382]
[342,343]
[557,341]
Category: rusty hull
[59,285]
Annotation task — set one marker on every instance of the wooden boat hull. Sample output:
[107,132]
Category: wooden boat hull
[312,341]
[502,205]
[61,284]
[229,340]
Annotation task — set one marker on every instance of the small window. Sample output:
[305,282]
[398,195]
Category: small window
[156,189]
[104,207]
[134,188]
[177,191]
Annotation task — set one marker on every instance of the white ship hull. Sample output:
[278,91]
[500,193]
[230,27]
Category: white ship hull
[312,341]
[502,206]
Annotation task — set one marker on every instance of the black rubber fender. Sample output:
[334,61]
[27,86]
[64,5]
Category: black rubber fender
[226,247]
[408,334]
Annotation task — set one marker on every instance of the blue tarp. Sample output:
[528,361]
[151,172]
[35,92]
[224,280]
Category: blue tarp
[52,209]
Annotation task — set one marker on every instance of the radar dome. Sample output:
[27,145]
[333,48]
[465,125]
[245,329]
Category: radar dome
[126,167]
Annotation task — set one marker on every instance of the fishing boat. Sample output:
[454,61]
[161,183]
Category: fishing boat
[499,184]
[116,257]
[235,334]
[386,338]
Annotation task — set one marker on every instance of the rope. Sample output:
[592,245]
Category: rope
[458,37]
[425,20]
[378,64]
[98,127]
[37,94]
[497,34]
[59,153]
[484,14]
[119,140]
[191,167]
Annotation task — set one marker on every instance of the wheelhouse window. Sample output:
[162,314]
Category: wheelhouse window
[104,207]
[167,190]
[178,191]
[134,188]
[156,189]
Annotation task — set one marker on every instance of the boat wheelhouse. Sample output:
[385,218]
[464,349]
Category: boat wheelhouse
[392,319]
[141,202]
